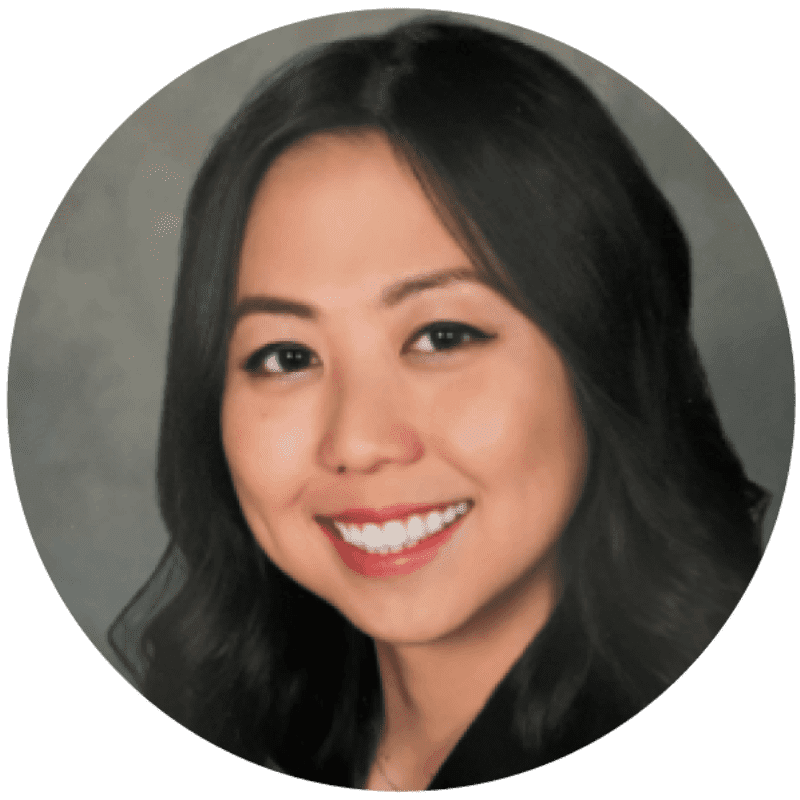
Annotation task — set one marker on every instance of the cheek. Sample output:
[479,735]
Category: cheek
[484,421]
[267,453]
[287,448]
[476,428]
[502,428]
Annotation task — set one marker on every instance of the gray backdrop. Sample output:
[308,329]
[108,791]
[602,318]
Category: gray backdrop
[87,360]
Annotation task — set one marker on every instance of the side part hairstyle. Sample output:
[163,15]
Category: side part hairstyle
[539,186]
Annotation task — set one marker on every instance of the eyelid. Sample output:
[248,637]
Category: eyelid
[258,356]
[475,333]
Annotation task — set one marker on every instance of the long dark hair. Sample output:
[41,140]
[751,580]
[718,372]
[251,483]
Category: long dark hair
[534,179]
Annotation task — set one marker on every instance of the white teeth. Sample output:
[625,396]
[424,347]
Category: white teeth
[415,530]
[394,533]
[372,536]
[433,522]
[394,536]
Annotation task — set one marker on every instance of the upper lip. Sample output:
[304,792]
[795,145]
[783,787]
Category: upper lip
[362,516]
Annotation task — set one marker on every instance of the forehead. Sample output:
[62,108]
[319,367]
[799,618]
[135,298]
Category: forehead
[337,211]
[332,176]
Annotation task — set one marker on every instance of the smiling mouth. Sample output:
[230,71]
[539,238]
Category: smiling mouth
[399,534]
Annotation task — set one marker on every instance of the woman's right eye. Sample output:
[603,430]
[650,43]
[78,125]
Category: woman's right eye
[281,358]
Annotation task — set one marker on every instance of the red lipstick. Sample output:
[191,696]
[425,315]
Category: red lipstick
[385,565]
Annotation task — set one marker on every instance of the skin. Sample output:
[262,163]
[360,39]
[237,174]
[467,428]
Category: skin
[336,222]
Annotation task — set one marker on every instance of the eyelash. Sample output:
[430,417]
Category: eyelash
[455,334]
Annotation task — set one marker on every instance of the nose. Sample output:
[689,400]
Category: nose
[370,425]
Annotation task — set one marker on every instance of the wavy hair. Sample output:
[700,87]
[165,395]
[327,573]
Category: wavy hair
[537,183]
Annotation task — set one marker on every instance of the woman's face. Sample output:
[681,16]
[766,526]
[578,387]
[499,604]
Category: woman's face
[380,398]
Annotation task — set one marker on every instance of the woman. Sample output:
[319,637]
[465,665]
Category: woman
[437,450]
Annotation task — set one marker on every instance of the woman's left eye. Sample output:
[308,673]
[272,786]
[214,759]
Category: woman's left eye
[441,336]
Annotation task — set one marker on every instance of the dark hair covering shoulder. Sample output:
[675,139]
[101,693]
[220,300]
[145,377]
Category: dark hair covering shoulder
[537,183]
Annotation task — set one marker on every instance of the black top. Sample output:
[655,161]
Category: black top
[493,748]
[557,698]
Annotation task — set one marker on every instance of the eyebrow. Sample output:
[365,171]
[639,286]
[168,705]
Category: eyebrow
[390,296]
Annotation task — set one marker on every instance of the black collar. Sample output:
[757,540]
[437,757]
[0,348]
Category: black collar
[493,748]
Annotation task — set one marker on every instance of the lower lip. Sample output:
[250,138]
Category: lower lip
[388,565]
